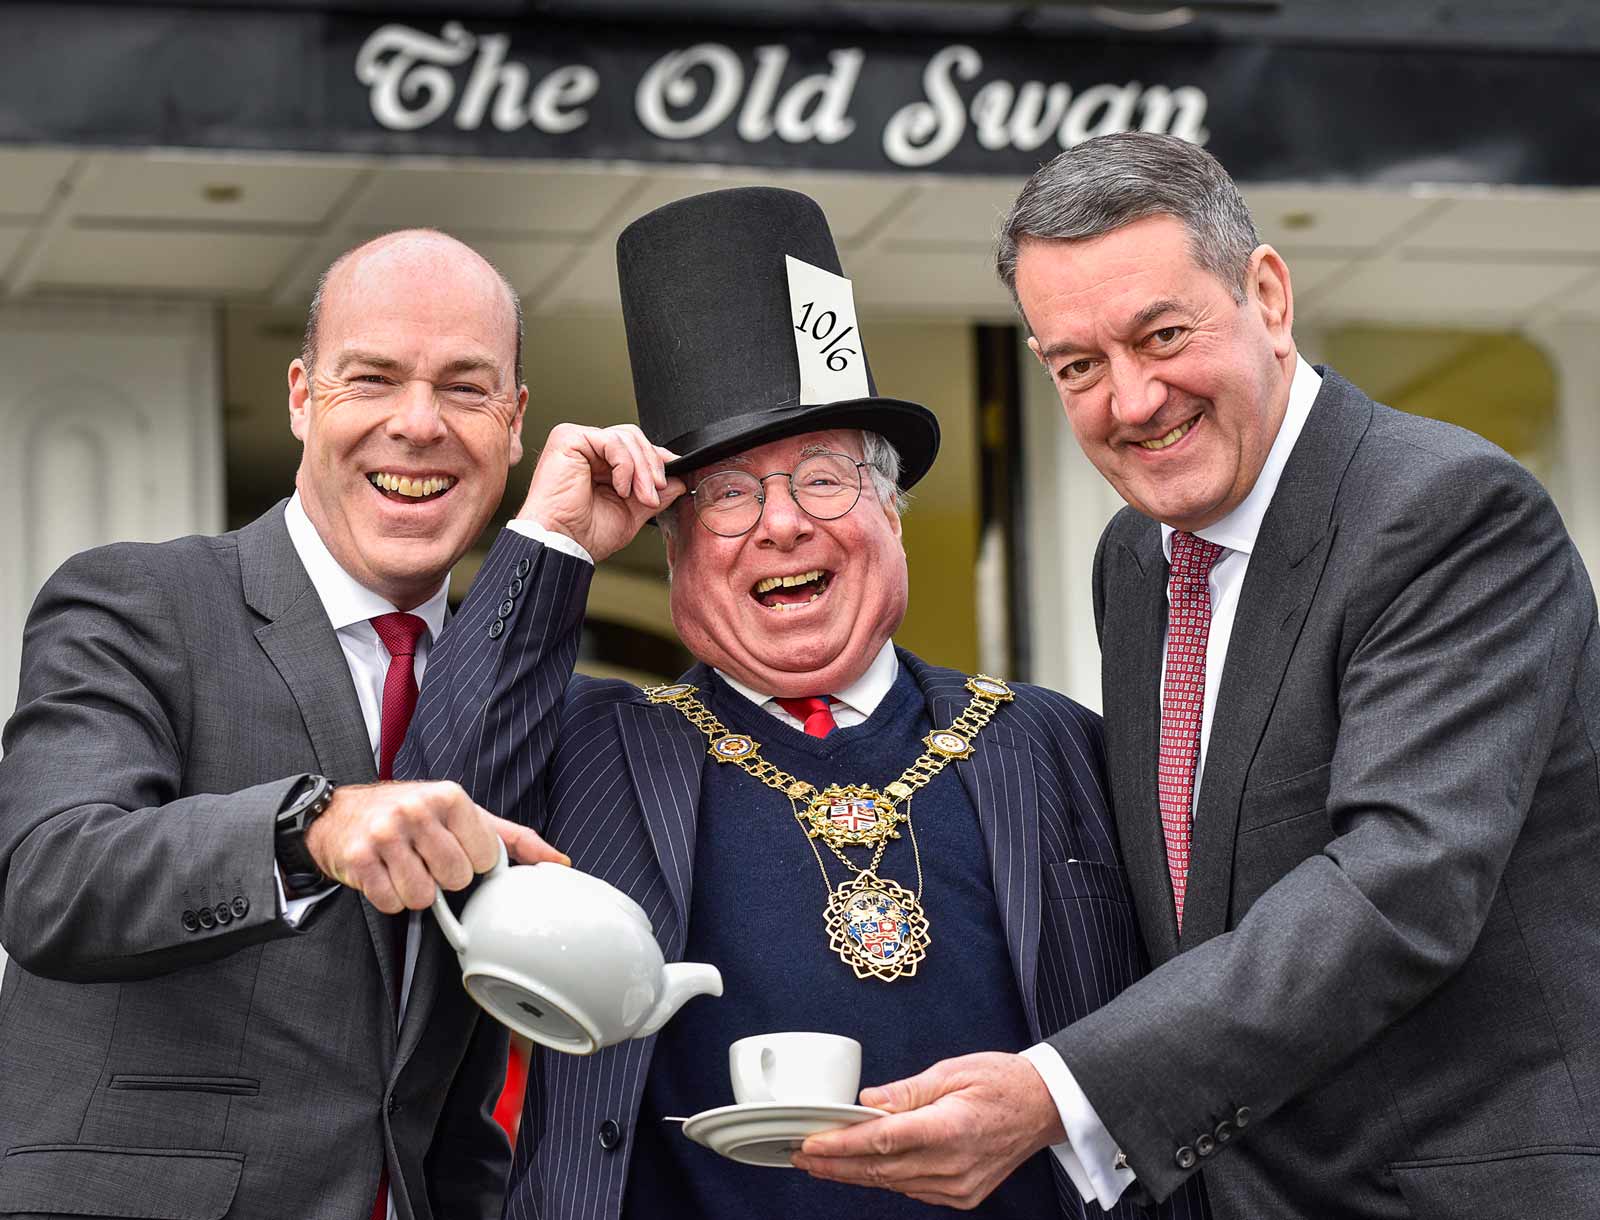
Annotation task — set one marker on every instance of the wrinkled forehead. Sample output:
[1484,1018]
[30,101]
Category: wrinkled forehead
[783,454]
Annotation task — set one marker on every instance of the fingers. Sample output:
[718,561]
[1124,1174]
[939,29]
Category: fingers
[899,1096]
[525,846]
[637,468]
[397,843]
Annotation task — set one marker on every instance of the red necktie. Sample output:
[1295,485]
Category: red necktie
[812,712]
[1183,699]
[399,633]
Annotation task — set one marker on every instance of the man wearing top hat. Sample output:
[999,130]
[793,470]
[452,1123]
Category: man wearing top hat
[862,842]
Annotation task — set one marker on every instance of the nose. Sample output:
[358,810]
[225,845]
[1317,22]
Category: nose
[417,418]
[1136,394]
[784,524]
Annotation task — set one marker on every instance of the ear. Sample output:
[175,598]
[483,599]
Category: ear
[1033,346]
[516,424]
[1271,294]
[895,526]
[299,399]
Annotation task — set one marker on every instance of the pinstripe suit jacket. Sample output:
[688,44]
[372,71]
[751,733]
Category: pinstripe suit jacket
[614,781]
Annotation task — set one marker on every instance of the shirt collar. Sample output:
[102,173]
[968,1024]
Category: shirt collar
[1238,530]
[864,694]
[345,599]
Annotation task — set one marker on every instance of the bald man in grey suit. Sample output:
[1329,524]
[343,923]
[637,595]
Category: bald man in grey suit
[200,1015]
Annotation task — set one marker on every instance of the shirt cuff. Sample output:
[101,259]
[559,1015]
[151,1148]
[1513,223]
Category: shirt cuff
[551,539]
[296,909]
[1089,1153]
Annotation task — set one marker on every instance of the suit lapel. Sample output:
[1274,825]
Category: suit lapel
[1291,551]
[302,646]
[1000,781]
[1130,652]
[664,755]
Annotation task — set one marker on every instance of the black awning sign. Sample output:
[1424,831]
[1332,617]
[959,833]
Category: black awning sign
[303,78]
[416,81]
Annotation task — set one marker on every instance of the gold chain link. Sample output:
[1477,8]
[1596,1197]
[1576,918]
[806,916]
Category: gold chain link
[972,721]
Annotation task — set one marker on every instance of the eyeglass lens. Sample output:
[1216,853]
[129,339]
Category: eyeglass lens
[825,485]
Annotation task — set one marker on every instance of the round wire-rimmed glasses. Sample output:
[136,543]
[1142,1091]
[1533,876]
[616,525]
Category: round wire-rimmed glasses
[825,486]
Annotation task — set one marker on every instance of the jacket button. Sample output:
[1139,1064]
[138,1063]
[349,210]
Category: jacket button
[393,1105]
[506,607]
[515,587]
[241,907]
[523,567]
[1186,1158]
[1224,1132]
[224,913]
[206,918]
[1241,1117]
[496,627]
[610,1135]
[191,922]
[1205,1145]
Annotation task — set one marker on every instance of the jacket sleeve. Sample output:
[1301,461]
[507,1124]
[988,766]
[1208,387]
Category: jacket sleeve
[1464,634]
[106,865]
[490,707]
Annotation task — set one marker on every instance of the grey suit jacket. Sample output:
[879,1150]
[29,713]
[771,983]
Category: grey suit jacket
[169,1046]
[1387,992]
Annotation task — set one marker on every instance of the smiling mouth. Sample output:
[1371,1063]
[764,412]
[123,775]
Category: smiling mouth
[406,490]
[1171,438]
[790,592]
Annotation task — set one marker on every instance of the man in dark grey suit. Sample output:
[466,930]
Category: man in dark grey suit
[1352,692]
[196,1020]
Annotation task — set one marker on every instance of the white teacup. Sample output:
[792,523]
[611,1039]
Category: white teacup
[795,1069]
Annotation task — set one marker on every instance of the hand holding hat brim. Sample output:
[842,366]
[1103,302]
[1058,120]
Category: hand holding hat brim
[598,486]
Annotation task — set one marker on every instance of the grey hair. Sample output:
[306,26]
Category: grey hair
[883,468]
[308,345]
[1112,181]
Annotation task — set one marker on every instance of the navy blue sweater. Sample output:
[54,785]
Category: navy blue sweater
[756,914]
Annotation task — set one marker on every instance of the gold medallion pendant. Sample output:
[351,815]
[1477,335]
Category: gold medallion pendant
[876,927]
[851,816]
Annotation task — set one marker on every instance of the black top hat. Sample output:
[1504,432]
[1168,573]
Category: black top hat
[711,334]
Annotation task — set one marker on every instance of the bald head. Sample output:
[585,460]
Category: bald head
[371,265]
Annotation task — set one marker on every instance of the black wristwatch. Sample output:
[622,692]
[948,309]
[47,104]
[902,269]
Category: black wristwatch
[301,807]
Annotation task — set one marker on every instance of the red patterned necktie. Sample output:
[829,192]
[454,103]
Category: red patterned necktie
[399,634]
[812,712]
[1183,696]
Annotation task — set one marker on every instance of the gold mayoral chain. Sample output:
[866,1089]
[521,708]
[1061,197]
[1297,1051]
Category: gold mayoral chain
[877,928]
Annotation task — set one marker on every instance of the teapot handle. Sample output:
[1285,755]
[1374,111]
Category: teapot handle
[453,931]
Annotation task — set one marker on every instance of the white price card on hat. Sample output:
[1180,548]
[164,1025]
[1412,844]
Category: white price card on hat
[827,338]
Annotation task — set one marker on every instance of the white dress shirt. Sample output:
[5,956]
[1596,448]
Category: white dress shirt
[350,607]
[1090,1153]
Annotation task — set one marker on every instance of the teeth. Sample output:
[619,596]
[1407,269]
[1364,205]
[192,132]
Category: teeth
[407,486]
[788,582]
[1171,438]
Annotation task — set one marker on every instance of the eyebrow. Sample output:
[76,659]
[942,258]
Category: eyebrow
[1138,322]
[463,364]
[371,359]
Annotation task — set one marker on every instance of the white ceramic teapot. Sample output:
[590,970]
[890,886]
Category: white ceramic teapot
[566,959]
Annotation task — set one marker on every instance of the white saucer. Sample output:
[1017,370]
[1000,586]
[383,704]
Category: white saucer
[768,1132]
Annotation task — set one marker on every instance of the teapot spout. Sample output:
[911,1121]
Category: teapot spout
[680,981]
